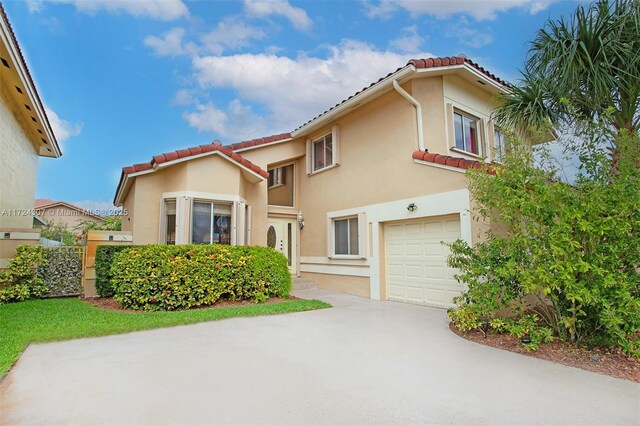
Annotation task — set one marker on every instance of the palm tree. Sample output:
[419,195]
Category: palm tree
[581,71]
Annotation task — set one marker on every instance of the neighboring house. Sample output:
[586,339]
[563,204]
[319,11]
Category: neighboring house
[64,214]
[26,135]
[359,198]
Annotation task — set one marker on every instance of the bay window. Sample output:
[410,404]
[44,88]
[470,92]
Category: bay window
[210,223]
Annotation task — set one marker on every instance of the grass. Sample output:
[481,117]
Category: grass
[50,320]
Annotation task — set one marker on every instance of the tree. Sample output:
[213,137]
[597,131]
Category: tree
[583,71]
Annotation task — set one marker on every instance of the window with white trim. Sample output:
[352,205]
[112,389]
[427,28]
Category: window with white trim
[467,132]
[170,222]
[499,144]
[210,223]
[322,152]
[346,236]
[276,177]
[281,186]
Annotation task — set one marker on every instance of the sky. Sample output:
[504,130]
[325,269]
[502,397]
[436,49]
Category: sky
[125,80]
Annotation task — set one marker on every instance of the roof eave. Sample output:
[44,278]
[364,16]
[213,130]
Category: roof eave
[343,108]
[11,42]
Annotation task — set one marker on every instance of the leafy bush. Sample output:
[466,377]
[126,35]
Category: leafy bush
[21,280]
[164,277]
[104,257]
[62,273]
[570,253]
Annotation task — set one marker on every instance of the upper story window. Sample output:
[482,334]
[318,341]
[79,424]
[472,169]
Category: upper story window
[281,186]
[467,132]
[211,223]
[499,144]
[276,177]
[322,152]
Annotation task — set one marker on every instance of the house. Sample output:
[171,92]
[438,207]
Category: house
[64,214]
[358,198]
[26,136]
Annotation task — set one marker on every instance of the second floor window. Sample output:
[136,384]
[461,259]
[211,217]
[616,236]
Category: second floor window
[467,132]
[322,151]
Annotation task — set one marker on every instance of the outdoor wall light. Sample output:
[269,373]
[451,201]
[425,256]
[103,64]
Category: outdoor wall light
[300,220]
[412,207]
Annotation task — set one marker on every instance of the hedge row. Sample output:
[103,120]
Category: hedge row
[164,277]
[103,260]
[62,272]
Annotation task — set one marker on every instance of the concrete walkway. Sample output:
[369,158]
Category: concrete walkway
[362,362]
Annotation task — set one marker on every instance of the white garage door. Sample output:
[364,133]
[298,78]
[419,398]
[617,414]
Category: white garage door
[417,269]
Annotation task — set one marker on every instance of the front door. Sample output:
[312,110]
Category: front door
[281,235]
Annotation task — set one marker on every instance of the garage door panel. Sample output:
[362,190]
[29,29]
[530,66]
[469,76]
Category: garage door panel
[434,272]
[395,249]
[396,271]
[413,271]
[417,269]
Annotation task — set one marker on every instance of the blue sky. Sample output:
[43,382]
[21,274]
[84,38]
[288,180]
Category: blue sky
[123,81]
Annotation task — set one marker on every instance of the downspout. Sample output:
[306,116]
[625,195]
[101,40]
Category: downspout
[418,112]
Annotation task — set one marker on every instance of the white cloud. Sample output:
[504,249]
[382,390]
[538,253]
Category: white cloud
[410,41]
[291,90]
[479,10]
[230,33]
[170,43]
[163,10]
[235,123]
[63,129]
[470,35]
[264,8]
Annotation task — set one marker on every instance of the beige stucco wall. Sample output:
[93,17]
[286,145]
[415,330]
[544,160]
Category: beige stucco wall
[376,144]
[18,168]
[62,215]
[208,175]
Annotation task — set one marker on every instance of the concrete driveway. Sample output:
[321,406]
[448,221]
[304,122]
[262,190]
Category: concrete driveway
[362,362]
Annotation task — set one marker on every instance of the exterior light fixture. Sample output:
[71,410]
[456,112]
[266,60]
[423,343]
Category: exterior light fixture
[300,220]
[412,207]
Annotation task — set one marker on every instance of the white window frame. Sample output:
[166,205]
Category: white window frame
[277,179]
[232,219]
[499,154]
[362,237]
[481,127]
[335,151]
[281,167]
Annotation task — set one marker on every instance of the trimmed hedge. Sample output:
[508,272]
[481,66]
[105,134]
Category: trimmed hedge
[165,277]
[104,258]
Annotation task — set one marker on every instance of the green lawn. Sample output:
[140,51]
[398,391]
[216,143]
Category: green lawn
[50,320]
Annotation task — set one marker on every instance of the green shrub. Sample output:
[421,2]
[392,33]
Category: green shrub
[21,280]
[569,253]
[104,257]
[164,277]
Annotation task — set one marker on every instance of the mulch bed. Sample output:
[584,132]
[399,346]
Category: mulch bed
[109,303]
[603,361]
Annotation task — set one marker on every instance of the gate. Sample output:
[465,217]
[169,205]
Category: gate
[63,271]
[95,239]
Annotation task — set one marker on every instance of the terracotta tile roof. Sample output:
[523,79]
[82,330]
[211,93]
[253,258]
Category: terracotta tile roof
[454,60]
[421,64]
[259,141]
[345,100]
[24,64]
[40,202]
[196,150]
[448,160]
[43,203]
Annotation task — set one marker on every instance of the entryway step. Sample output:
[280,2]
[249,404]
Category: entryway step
[299,283]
